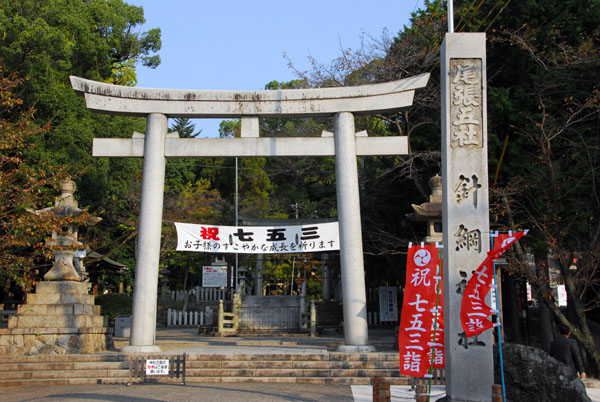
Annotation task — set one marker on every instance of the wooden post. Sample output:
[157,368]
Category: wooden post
[384,392]
[376,387]
[381,389]
[497,395]
[220,318]
[421,393]
[237,306]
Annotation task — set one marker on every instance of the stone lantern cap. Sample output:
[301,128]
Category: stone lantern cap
[65,205]
[63,245]
[432,208]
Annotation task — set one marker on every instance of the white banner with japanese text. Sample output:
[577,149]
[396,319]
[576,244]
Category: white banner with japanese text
[311,238]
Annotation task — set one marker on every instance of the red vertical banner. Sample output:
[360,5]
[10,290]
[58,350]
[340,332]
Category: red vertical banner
[474,311]
[421,334]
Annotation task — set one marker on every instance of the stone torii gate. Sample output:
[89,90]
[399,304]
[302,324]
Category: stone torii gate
[157,105]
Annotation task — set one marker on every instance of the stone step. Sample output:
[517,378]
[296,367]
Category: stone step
[60,370]
[63,381]
[92,365]
[234,364]
[305,372]
[297,380]
[316,368]
[108,357]
[333,356]
[338,358]
[62,374]
[321,365]
[204,380]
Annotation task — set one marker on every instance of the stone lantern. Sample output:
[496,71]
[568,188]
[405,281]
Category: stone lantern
[65,245]
[60,317]
[430,212]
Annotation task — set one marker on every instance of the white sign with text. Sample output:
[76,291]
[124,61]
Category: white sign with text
[311,238]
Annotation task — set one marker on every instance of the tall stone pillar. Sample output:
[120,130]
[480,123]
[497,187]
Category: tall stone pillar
[351,255]
[143,322]
[465,208]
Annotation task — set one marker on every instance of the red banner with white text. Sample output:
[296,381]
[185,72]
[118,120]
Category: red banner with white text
[421,333]
[474,311]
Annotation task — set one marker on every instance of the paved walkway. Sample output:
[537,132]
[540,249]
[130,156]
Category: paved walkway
[231,392]
[179,340]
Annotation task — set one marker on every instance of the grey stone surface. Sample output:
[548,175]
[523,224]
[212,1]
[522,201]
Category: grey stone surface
[271,301]
[351,255]
[532,375]
[133,101]
[258,146]
[61,287]
[430,212]
[123,326]
[143,323]
[355,349]
[465,210]
[52,322]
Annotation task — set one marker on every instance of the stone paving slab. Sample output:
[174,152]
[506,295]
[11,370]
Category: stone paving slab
[258,349]
[231,392]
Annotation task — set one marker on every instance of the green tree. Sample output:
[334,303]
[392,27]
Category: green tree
[23,187]
[47,41]
[544,94]
[184,127]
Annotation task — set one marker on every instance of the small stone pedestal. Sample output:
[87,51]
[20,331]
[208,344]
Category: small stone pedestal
[60,318]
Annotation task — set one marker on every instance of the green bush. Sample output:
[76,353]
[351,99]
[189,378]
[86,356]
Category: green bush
[114,304]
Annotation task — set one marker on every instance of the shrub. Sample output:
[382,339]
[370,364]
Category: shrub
[114,304]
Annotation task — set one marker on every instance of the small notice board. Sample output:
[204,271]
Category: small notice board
[152,368]
[388,304]
[157,367]
[214,276]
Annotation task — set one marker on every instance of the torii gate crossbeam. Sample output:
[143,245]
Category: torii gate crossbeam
[159,104]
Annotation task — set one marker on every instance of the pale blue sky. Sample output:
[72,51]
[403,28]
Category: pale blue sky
[239,45]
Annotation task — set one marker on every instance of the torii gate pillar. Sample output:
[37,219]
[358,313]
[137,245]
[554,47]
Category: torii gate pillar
[143,322]
[351,260]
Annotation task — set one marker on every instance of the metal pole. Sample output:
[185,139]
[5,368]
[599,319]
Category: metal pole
[450,17]
[498,318]
[236,222]
[292,282]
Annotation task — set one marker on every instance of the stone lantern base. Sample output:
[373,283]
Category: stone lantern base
[60,318]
